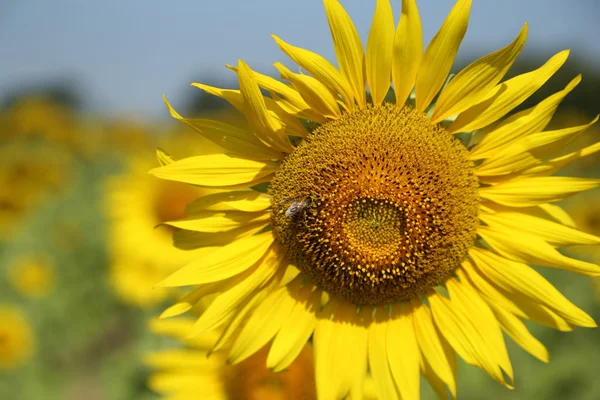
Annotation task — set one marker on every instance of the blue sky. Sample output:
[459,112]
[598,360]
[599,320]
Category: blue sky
[125,53]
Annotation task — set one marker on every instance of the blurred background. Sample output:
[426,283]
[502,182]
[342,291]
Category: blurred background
[81,115]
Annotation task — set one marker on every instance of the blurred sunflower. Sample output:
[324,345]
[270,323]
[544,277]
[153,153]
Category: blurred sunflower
[194,371]
[32,276]
[393,241]
[41,118]
[127,135]
[142,252]
[585,213]
[16,338]
[28,175]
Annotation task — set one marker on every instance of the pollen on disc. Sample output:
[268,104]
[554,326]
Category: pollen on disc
[389,205]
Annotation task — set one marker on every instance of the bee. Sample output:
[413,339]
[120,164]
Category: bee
[296,205]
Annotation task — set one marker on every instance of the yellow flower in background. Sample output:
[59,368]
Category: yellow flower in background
[194,372]
[127,135]
[38,117]
[391,234]
[585,213]
[142,252]
[28,175]
[16,338]
[32,276]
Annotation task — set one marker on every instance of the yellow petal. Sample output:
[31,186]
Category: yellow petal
[239,317]
[525,153]
[549,142]
[403,353]
[558,214]
[219,221]
[464,335]
[223,263]
[189,240]
[292,97]
[263,325]
[340,339]
[522,247]
[163,158]
[520,334]
[247,200]
[556,164]
[314,92]
[469,300]
[434,380]
[177,327]
[178,358]
[268,129]
[521,124]
[440,53]
[190,300]
[348,49]
[407,52]
[435,351]
[556,234]
[527,192]
[474,82]
[233,96]
[518,305]
[320,68]
[228,137]
[499,168]
[295,331]
[173,382]
[276,115]
[518,278]
[506,96]
[226,305]
[378,360]
[379,51]
[217,170]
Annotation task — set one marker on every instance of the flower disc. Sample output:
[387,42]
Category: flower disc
[378,206]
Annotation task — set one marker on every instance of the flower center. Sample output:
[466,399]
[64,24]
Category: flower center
[378,206]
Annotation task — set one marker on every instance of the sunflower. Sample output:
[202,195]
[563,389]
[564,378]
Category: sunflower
[41,118]
[585,213]
[193,371]
[16,338]
[141,250]
[142,254]
[29,174]
[397,239]
[32,276]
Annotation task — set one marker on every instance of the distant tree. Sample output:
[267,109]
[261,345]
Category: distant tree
[63,92]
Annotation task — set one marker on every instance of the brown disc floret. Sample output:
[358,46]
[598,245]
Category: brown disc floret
[378,206]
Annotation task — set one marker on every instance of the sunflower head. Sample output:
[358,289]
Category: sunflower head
[32,276]
[426,210]
[378,206]
[39,117]
[16,338]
